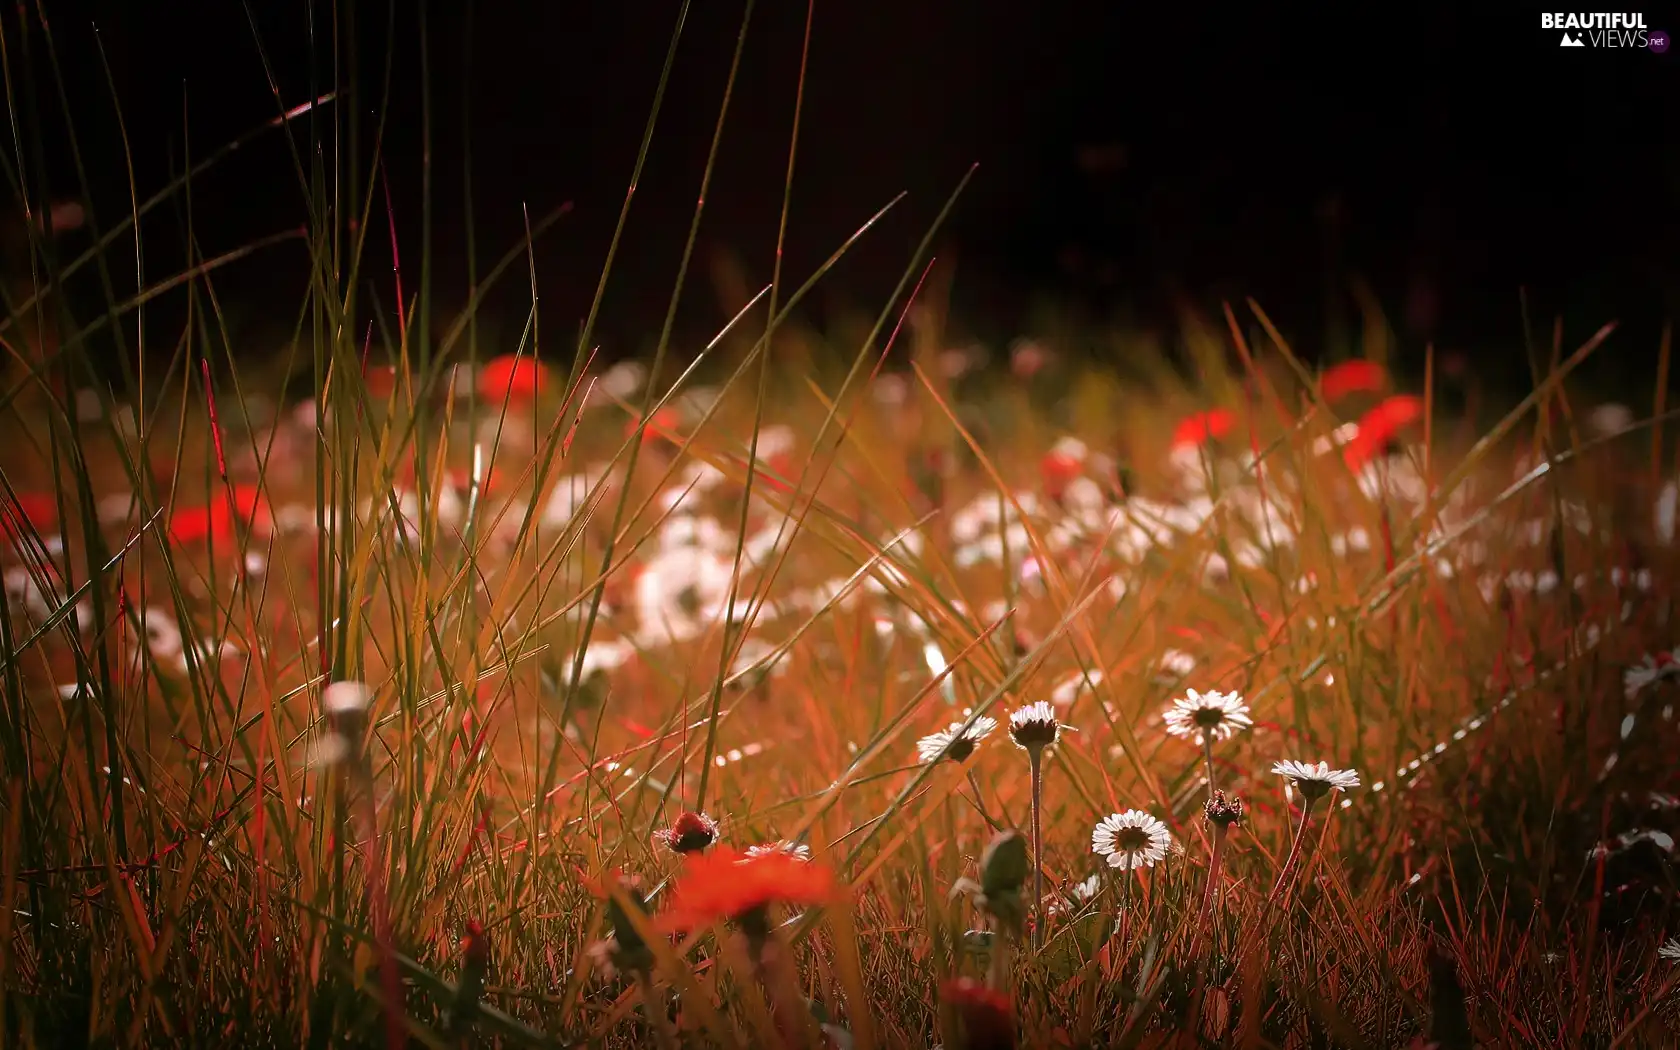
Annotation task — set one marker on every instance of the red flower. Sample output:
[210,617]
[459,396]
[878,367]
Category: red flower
[1064,462]
[1352,377]
[1202,427]
[216,519]
[726,884]
[36,511]
[1380,426]
[987,1014]
[662,425]
[512,378]
[689,833]
[382,381]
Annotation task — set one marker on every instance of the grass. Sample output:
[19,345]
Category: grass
[356,720]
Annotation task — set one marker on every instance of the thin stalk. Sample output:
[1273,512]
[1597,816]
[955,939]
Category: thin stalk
[1035,756]
[775,972]
[1126,905]
[1295,849]
[1204,919]
[653,1005]
[1207,753]
[1285,874]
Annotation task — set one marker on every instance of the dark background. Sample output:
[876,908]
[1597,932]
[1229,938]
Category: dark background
[1129,156]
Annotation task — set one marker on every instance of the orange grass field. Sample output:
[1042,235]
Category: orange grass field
[796,692]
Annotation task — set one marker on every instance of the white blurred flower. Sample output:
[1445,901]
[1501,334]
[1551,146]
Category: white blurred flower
[1650,669]
[797,850]
[623,379]
[679,593]
[1612,417]
[1068,690]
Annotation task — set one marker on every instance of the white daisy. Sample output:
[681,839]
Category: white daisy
[1072,898]
[1649,670]
[798,850]
[1612,417]
[1316,781]
[680,592]
[1068,690]
[1034,726]
[1130,840]
[1194,713]
[955,742]
[1084,891]
[1670,950]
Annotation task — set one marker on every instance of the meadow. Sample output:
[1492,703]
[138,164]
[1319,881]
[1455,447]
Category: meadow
[798,691]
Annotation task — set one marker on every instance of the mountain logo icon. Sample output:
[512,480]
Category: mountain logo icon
[1571,41]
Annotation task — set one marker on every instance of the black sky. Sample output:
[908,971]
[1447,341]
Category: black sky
[1247,151]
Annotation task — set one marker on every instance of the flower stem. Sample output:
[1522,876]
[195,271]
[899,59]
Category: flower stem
[1126,905]
[654,1007]
[776,973]
[1036,757]
[1295,848]
[1203,921]
[1285,875]
[997,967]
[1207,752]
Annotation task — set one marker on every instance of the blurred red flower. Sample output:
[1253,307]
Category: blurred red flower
[1381,425]
[512,378]
[1352,377]
[726,884]
[1059,467]
[216,519]
[382,381]
[662,425]
[987,1014]
[1202,427]
[33,510]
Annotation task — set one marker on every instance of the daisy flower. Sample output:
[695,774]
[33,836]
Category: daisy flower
[797,850]
[955,742]
[689,833]
[1649,670]
[1034,726]
[1130,840]
[1068,690]
[1194,713]
[1316,781]
[1670,950]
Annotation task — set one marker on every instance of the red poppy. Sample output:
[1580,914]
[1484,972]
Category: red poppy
[382,381]
[987,1014]
[1352,377]
[662,425]
[1202,427]
[1380,426]
[1059,467]
[36,511]
[512,378]
[216,519]
[727,885]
